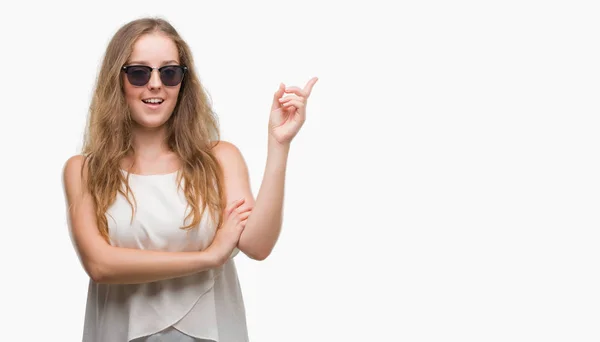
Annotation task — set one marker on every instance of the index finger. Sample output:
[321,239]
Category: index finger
[308,87]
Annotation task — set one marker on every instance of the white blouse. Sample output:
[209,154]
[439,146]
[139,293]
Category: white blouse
[204,306]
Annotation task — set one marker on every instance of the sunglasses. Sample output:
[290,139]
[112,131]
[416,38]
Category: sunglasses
[139,75]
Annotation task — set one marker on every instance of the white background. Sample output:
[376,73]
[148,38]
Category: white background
[445,187]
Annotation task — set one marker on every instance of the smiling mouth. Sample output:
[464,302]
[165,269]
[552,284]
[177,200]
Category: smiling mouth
[153,101]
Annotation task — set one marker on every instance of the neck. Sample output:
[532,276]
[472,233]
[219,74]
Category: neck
[150,143]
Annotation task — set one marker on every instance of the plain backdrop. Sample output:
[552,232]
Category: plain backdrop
[445,186]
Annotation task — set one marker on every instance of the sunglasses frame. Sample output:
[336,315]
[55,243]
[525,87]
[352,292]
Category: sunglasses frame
[126,68]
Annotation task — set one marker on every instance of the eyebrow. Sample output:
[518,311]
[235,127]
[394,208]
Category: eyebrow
[146,63]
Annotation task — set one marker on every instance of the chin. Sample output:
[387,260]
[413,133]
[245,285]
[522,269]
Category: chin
[151,121]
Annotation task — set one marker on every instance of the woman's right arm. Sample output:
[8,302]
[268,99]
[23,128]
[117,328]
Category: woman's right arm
[116,265]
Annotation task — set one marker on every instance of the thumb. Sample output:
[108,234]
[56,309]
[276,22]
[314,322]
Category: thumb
[278,94]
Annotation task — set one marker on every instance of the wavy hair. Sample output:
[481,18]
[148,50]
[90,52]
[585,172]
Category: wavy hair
[192,130]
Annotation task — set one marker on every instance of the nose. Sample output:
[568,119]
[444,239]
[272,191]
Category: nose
[155,81]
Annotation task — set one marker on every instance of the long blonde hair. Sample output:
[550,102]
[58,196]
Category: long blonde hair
[192,130]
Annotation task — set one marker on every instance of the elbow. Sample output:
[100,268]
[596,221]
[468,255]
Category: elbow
[97,272]
[261,258]
[259,255]
[96,275]
[255,250]
[97,278]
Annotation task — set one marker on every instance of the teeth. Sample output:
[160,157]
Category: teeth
[153,100]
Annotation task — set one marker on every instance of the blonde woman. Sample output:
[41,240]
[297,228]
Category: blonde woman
[158,206]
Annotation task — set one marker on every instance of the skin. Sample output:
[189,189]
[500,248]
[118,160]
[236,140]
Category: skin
[288,114]
[252,225]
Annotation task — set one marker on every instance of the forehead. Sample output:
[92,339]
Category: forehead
[154,49]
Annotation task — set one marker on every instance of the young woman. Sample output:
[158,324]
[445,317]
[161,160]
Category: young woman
[158,206]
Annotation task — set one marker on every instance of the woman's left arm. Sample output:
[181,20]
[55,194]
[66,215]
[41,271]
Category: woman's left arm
[264,223]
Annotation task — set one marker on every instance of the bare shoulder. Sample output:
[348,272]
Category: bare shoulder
[72,174]
[73,166]
[235,171]
[227,153]
[225,148]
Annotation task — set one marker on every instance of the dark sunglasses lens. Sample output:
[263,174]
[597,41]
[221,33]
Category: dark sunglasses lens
[138,76]
[171,75]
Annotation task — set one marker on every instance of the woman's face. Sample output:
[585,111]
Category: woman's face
[153,103]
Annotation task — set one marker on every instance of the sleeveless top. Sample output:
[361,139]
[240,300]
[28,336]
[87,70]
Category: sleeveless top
[207,305]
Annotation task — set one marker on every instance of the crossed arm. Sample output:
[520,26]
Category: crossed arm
[109,264]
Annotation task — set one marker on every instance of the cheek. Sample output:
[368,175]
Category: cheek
[132,95]
[173,95]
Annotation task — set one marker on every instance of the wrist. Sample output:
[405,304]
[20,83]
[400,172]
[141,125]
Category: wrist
[277,151]
[207,260]
[273,144]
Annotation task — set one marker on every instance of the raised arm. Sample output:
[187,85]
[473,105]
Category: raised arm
[264,224]
[108,264]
